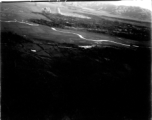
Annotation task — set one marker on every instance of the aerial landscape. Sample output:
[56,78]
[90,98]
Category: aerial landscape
[75,61]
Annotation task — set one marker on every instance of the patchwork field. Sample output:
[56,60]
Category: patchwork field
[29,11]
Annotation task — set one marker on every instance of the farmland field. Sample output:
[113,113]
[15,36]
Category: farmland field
[61,63]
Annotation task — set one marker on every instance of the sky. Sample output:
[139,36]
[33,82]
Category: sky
[141,3]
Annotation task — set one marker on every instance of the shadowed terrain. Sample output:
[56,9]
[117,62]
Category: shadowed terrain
[62,79]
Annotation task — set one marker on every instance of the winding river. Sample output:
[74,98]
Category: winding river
[80,36]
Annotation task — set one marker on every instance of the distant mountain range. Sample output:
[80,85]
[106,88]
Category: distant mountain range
[130,12]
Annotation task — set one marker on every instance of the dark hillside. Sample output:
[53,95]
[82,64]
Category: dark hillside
[108,82]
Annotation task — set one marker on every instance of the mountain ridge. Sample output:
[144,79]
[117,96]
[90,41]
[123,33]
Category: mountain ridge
[131,12]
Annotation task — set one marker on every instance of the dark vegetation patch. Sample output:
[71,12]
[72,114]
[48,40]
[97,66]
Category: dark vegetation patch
[109,83]
[97,25]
